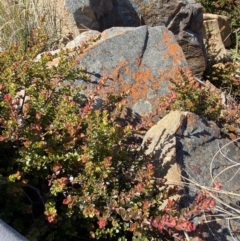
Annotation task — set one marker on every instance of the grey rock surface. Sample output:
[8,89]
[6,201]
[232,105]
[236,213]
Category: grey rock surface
[209,161]
[195,145]
[140,60]
[7,233]
[183,17]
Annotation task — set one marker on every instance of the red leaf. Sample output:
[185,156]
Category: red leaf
[186,226]
[102,222]
[67,200]
[199,197]
[169,221]
[7,97]
[206,204]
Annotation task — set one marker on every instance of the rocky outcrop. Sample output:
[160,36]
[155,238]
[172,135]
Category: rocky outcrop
[182,17]
[172,136]
[216,35]
[140,60]
[184,143]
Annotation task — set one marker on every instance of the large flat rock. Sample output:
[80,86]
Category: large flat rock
[140,60]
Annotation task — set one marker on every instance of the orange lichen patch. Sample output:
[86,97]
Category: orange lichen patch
[165,74]
[173,49]
[191,121]
[139,82]
[167,38]
[141,77]
[139,89]
[166,55]
[144,81]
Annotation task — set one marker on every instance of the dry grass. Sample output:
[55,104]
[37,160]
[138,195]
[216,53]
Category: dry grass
[18,19]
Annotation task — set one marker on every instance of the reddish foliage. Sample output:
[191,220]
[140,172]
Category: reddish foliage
[67,200]
[165,221]
[102,222]
[7,97]
[172,220]
[52,218]
[185,225]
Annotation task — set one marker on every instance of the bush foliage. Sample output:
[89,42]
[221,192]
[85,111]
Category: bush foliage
[71,171]
[68,170]
[204,99]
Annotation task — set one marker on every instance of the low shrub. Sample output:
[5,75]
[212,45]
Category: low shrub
[187,94]
[68,170]
[204,99]
[225,76]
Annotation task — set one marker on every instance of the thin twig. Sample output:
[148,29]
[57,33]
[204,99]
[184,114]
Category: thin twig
[37,191]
